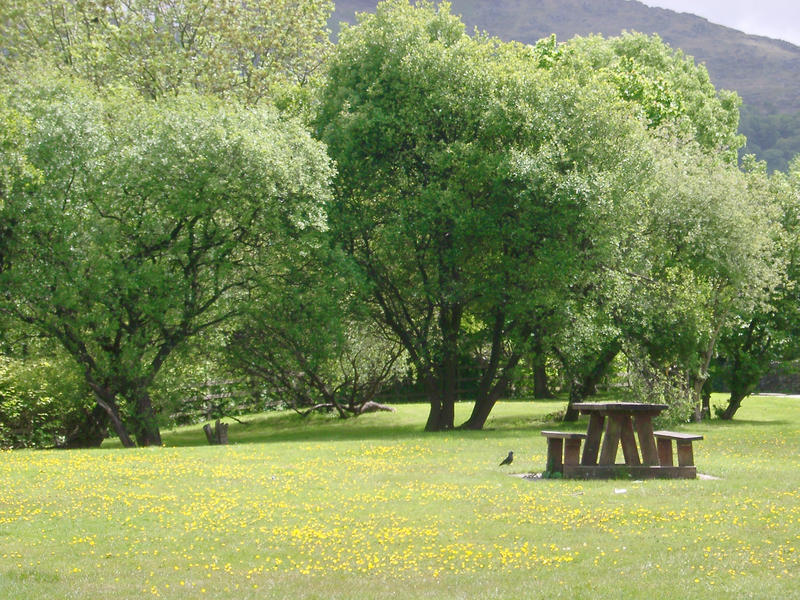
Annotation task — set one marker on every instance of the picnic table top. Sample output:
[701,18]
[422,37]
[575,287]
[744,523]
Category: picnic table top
[629,407]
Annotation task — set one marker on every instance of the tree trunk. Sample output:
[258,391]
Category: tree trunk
[700,380]
[442,394]
[571,414]
[706,399]
[585,384]
[541,389]
[697,395]
[485,398]
[435,400]
[449,381]
[147,431]
[734,402]
[442,415]
[106,399]
[486,401]
[448,415]
[483,406]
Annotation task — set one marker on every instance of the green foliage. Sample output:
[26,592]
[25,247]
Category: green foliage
[42,401]
[768,332]
[665,87]
[308,343]
[14,168]
[148,225]
[492,201]
[246,50]
[711,234]
[687,256]
[648,381]
[196,385]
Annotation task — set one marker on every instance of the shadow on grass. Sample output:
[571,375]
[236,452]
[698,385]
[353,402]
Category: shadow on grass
[515,419]
[291,427]
[743,422]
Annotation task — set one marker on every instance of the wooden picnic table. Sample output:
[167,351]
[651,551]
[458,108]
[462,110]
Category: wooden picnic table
[612,424]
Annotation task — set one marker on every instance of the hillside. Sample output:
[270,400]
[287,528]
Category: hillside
[765,72]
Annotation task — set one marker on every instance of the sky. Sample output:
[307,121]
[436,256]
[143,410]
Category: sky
[773,18]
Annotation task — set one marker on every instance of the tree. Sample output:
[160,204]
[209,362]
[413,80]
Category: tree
[639,295]
[247,50]
[769,331]
[147,226]
[474,189]
[307,340]
[712,232]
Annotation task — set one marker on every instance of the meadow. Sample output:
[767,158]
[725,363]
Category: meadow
[375,508]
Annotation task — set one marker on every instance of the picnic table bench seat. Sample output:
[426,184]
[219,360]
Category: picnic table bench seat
[683,442]
[563,448]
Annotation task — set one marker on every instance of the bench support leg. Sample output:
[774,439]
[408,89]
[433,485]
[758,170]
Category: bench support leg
[644,429]
[685,455]
[555,449]
[572,452]
[665,452]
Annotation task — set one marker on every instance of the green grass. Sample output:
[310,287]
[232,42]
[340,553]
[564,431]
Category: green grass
[374,508]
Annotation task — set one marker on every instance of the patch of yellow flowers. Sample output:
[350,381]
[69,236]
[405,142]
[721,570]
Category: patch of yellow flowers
[248,511]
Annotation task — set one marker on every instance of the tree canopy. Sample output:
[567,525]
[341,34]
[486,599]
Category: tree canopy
[664,87]
[148,224]
[474,189]
[246,50]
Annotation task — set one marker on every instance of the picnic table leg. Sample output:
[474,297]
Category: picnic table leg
[608,454]
[629,449]
[592,446]
[647,442]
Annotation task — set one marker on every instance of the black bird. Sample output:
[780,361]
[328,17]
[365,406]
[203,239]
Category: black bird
[508,459]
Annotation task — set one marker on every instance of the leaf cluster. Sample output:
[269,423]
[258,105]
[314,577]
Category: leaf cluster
[247,51]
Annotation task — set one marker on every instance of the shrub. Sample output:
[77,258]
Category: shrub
[660,385]
[43,403]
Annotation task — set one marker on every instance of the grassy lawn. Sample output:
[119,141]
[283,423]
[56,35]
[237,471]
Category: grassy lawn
[374,508]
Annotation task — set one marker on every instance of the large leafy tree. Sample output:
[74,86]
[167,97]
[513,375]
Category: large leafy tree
[643,300]
[769,331]
[247,50]
[147,225]
[711,250]
[474,189]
